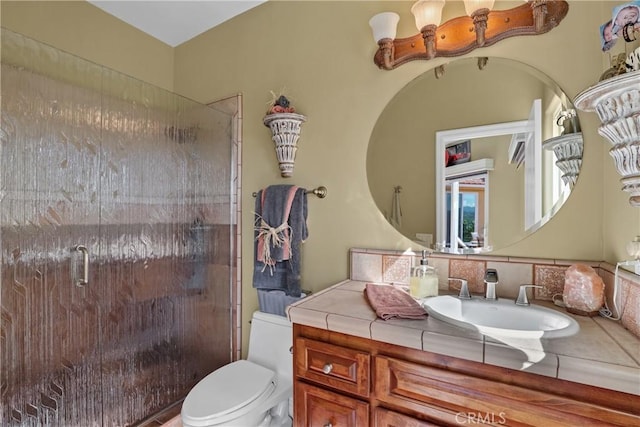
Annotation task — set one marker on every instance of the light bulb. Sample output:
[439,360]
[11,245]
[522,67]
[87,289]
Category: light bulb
[427,12]
[384,25]
[471,6]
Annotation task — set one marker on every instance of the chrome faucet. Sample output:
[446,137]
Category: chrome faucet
[522,294]
[464,288]
[491,280]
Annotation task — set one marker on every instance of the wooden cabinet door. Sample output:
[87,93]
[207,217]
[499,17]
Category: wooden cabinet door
[386,418]
[462,399]
[316,407]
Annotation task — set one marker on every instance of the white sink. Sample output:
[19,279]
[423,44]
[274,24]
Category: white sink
[501,317]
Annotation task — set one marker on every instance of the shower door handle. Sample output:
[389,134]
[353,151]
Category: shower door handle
[84,280]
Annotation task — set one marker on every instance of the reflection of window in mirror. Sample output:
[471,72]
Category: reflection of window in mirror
[466,211]
[557,185]
[556,182]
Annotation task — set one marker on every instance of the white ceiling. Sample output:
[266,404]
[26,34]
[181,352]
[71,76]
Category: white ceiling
[175,21]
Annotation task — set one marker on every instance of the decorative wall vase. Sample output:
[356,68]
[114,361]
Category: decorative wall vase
[617,103]
[568,151]
[285,130]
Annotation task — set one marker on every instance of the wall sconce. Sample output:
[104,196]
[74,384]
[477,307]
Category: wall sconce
[461,35]
[285,125]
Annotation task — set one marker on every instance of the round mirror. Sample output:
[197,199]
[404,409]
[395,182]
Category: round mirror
[475,158]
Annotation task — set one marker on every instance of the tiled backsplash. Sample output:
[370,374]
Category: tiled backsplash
[392,266]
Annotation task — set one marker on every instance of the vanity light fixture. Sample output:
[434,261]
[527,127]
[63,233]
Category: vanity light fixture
[458,36]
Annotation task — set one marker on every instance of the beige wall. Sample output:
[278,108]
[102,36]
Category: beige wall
[320,54]
[82,29]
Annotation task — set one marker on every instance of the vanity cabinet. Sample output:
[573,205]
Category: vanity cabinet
[342,380]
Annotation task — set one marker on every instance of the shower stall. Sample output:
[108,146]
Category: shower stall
[118,237]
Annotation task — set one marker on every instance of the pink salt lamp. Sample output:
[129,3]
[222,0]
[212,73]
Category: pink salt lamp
[583,292]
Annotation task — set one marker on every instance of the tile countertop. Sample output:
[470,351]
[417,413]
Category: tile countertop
[602,354]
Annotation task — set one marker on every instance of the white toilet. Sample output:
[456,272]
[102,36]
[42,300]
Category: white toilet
[249,393]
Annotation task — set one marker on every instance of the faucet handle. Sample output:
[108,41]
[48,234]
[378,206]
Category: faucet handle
[522,294]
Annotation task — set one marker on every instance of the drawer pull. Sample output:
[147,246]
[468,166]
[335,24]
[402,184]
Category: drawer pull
[327,370]
[328,424]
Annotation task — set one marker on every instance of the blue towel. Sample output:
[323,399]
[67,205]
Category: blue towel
[280,228]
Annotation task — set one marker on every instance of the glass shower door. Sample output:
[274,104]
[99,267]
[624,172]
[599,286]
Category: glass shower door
[139,177]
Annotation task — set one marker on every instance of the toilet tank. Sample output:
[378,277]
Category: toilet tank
[270,342]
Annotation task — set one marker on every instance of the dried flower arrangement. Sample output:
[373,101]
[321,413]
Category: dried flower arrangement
[279,104]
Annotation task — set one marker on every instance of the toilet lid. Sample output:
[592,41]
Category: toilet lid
[228,389]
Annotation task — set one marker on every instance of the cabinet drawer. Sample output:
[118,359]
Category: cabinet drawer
[340,368]
[324,408]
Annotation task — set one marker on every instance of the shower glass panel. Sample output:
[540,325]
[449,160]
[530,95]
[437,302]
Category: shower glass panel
[142,178]
[49,175]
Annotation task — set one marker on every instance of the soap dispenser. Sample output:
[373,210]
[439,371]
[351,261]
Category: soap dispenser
[424,279]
